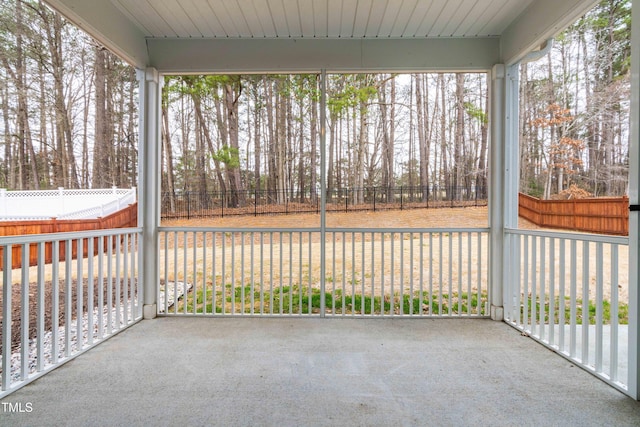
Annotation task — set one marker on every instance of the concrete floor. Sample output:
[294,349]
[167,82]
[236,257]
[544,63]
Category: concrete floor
[307,372]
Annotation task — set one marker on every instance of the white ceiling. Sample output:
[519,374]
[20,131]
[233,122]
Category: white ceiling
[199,36]
[322,18]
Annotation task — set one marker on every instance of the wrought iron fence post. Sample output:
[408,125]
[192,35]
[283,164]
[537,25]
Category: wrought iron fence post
[374,199]
[346,200]
[188,206]
[223,193]
[451,194]
[427,197]
[401,198]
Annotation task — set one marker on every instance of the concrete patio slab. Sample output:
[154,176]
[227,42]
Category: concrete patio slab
[318,372]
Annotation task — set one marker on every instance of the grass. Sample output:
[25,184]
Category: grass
[623,311]
[304,300]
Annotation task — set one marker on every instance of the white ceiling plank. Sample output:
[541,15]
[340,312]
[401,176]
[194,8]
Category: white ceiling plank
[334,18]
[204,18]
[502,17]
[452,8]
[541,20]
[177,56]
[200,15]
[107,24]
[320,17]
[457,27]
[147,15]
[422,9]
[477,26]
[231,15]
[307,20]
[347,18]
[431,17]
[148,28]
[260,18]
[279,18]
[221,29]
[173,14]
[292,16]
[361,21]
[376,15]
[388,20]
[220,15]
[397,17]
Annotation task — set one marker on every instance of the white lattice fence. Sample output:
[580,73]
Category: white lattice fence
[63,203]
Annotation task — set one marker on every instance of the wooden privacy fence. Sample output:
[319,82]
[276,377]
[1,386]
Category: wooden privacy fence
[603,215]
[127,217]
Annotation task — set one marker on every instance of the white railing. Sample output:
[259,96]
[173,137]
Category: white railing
[569,291]
[367,272]
[63,203]
[83,289]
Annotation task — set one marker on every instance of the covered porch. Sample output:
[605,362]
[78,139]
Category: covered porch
[195,371]
[311,367]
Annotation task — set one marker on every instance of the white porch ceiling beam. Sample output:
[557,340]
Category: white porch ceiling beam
[311,55]
[543,19]
[108,25]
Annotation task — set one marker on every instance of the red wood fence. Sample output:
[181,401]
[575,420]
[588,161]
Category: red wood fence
[603,215]
[127,217]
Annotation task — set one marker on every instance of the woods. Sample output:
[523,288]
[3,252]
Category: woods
[69,119]
[245,133]
[575,108]
[68,106]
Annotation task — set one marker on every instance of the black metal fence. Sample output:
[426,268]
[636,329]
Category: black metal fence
[264,202]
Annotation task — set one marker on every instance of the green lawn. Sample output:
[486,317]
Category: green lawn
[305,300]
[623,311]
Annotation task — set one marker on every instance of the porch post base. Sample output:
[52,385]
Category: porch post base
[497,313]
[149,311]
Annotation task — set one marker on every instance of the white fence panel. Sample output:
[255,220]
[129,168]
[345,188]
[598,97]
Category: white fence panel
[570,291]
[66,303]
[368,272]
[63,203]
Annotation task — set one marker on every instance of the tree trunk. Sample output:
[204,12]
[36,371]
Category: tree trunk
[423,141]
[314,131]
[458,166]
[100,156]
[62,112]
[301,116]
[6,174]
[167,157]
[443,138]
[481,179]
[272,180]
[257,140]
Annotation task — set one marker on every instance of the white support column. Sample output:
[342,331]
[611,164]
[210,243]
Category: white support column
[323,186]
[511,145]
[634,199]
[496,191]
[150,96]
[511,177]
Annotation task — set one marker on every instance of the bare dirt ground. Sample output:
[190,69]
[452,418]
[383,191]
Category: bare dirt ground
[470,217]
